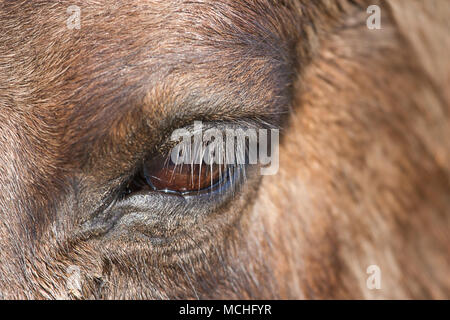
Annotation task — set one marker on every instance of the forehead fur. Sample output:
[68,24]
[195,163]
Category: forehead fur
[206,58]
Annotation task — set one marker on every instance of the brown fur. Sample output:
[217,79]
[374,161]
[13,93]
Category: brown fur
[364,158]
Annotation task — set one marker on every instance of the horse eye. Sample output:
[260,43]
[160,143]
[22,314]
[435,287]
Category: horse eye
[161,174]
[182,178]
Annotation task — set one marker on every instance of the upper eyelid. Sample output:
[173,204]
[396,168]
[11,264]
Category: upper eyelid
[243,123]
[167,144]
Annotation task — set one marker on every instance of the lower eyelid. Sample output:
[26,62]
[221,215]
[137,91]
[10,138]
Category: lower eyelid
[155,211]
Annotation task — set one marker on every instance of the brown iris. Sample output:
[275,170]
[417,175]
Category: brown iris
[163,175]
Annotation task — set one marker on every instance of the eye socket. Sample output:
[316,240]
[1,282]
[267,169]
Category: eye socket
[182,178]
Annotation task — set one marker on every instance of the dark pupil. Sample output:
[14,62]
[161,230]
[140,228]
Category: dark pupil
[162,174]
